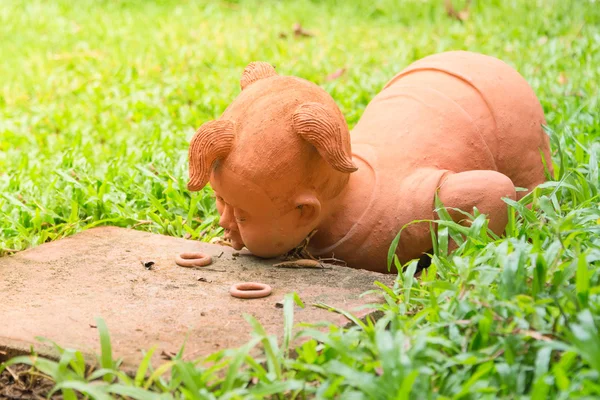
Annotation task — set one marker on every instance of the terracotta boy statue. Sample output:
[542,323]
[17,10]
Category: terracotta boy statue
[282,162]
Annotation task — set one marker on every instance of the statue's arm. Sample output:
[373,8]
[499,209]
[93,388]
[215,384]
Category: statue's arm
[483,189]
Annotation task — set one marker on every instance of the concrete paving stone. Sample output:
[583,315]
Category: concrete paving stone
[56,291]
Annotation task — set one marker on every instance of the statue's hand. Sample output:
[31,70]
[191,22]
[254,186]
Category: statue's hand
[481,189]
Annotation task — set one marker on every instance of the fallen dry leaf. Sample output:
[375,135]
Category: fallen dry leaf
[302,263]
[577,94]
[535,335]
[95,54]
[300,32]
[562,78]
[75,27]
[335,75]
[220,241]
[461,15]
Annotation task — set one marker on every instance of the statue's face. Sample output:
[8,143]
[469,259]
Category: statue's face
[252,219]
[282,134]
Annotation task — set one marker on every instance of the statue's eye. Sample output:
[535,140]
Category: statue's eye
[239,216]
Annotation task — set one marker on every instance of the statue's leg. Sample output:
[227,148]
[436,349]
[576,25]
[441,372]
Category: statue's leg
[481,189]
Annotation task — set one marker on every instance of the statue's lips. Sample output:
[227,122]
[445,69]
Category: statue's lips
[237,245]
[236,240]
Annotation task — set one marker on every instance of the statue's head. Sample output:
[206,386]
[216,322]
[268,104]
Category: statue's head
[275,157]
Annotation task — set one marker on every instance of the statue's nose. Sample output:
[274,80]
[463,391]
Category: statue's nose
[227,220]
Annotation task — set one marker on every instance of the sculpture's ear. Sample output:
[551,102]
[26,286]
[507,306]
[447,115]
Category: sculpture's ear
[212,141]
[254,71]
[310,208]
[318,127]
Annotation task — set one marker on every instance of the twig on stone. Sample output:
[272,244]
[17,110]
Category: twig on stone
[300,257]
[300,251]
[333,260]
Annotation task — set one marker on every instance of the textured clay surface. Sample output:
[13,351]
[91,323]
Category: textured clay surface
[283,164]
[57,290]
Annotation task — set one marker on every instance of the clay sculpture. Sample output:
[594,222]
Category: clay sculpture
[283,164]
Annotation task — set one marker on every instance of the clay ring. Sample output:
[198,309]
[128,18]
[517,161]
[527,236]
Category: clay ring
[193,260]
[250,290]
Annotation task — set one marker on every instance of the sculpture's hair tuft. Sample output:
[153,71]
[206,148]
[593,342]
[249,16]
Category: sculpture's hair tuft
[318,127]
[212,141]
[254,71]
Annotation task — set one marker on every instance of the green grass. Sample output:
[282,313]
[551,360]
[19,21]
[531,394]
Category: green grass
[98,100]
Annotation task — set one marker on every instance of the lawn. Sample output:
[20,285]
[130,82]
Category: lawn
[99,99]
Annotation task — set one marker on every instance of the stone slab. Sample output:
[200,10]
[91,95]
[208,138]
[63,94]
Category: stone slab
[56,291]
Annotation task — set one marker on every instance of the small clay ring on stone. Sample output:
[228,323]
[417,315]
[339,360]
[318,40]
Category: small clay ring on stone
[250,290]
[193,260]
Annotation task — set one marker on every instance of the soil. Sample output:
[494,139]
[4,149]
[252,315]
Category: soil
[21,382]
